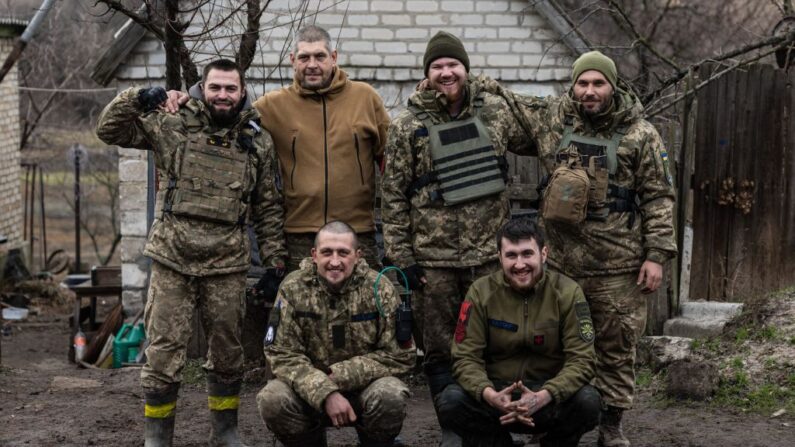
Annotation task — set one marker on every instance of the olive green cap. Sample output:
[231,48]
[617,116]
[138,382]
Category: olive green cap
[444,44]
[594,60]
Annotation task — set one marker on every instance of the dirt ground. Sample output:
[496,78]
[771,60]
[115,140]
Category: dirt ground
[46,401]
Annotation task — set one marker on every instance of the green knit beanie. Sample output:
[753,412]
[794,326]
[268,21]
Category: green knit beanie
[594,60]
[444,45]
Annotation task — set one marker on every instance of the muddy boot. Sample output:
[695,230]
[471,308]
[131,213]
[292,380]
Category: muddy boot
[366,441]
[158,432]
[223,401]
[450,438]
[159,411]
[223,429]
[316,437]
[610,433]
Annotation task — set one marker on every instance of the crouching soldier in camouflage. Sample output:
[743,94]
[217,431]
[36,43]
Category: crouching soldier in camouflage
[331,345]
[608,213]
[217,170]
[523,352]
[444,195]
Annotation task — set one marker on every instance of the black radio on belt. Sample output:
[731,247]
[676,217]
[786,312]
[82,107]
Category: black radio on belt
[403,320]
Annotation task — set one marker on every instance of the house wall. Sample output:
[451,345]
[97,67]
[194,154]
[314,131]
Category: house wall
[381,42]
[10,197]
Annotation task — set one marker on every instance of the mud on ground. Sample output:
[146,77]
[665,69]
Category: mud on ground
[46,401]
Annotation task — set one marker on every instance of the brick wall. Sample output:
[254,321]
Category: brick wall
[381,42]
[10,196]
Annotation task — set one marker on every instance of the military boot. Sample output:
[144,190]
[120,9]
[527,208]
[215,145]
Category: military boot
[159,412]
[610,433]
[314,438]
[223,401]
[366,441]
[223,429]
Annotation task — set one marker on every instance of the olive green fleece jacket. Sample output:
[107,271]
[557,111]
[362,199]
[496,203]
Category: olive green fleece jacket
[544,335]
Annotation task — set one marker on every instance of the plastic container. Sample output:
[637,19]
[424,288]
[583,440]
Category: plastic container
[80,345]
[127,343]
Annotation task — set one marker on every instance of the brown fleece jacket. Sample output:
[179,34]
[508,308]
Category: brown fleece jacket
[327,141]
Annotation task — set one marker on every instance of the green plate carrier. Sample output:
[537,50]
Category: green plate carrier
[465,163]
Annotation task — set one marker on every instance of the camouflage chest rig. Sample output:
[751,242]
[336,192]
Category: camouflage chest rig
[581,187]
[210,176]
[465,164]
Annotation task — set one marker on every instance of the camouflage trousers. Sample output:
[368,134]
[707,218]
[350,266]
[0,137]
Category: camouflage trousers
[618,310]
[436,308]
[299,246]
[169,309]
[380,409]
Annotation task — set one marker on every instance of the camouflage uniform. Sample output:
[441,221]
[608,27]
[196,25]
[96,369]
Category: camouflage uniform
[543,338]
[605,256]
[198,262]
[454,244]
[316,334]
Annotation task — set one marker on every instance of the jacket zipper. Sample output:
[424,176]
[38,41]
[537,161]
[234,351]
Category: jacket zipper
[526,324]
[292,171]
[358,160]
[325,155]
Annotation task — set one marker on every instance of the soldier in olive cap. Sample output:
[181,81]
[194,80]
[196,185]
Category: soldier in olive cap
[615,240]
[444,194]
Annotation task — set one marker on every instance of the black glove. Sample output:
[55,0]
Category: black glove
[150,98]
[268,285]
[413,273]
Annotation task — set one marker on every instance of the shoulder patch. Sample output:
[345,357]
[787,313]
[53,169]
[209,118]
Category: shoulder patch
[463,321]
[582,310]
[668,176]
[273,323]
[584,322]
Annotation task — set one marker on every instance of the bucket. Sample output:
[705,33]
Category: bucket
[127,343]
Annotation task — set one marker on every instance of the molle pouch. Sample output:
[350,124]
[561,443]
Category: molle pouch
[338,336]
[565,198]
[598,176]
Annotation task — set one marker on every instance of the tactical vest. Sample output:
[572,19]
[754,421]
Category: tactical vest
[598,158]
[465,164]
[209,179]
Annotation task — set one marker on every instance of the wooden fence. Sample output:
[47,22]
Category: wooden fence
[743,186]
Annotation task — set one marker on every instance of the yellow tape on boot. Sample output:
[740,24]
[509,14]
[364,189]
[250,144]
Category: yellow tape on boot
[220,403]
[160,411]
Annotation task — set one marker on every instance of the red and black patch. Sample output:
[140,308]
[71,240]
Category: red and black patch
[538,340]
[463,320]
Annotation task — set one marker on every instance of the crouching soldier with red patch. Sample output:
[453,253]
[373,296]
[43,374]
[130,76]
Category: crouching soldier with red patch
[523,352]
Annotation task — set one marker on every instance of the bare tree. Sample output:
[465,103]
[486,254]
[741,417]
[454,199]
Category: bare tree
[52,72]
[658,42]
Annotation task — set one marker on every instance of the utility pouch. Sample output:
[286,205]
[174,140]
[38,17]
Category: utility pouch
[403,323]
[598,176]
[565,198]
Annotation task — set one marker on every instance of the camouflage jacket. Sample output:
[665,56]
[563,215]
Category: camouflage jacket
[544,336]
[319,341]
[188,245]
[622,242]
[419,230]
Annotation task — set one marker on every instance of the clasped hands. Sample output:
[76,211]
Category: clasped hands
[517,410]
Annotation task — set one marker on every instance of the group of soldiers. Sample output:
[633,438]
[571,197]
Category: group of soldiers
[525,327]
